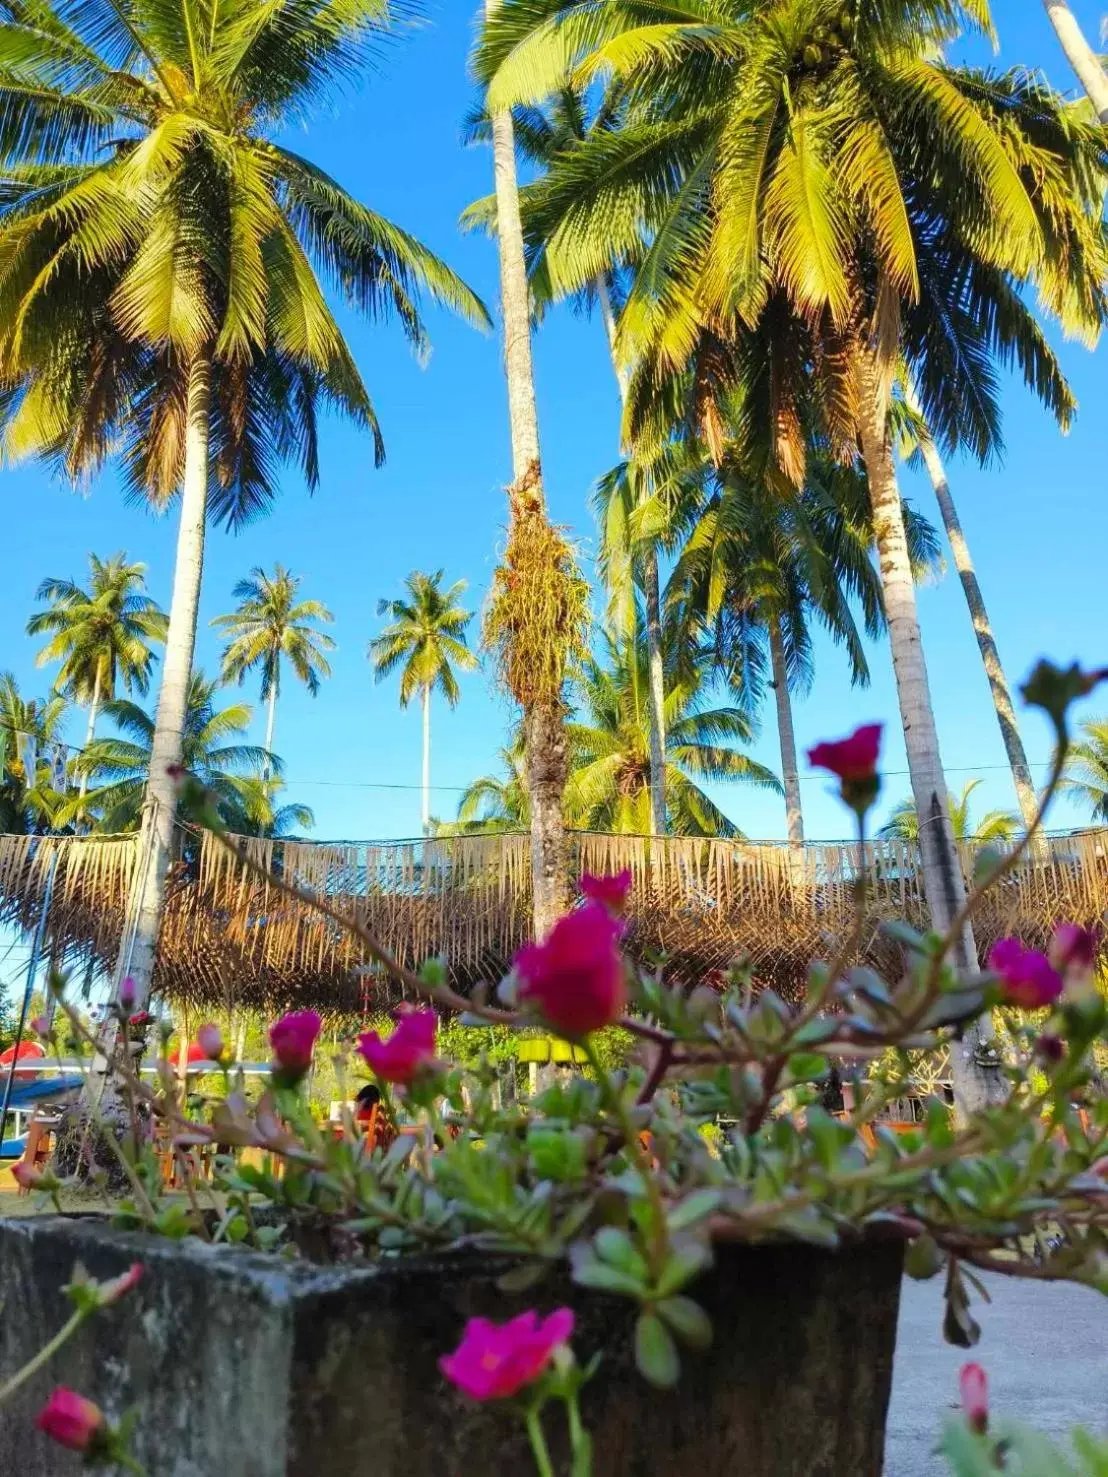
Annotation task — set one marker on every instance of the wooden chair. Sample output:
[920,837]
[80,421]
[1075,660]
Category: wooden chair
[39,1144]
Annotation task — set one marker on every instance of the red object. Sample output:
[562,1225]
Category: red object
[974,1383]
[28,1051]
[1028,978]
[409,1049]
[576,977]
[496,1360]
[70,1419]
[612,892]
[853,758]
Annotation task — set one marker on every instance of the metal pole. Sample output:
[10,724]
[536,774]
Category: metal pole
[28,988]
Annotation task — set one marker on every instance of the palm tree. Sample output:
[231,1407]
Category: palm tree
[255,810]
[118,768]
[102,636]
[609,781]
[979,615]
[491,804]
[29,729]
[994,825]
[271,625]
[543,134]
[1080,55]
[426,640]
[829,181]
[537,613]
[1087,771]
[761,563]
[160,265]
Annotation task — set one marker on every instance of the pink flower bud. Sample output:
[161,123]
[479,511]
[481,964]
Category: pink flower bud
[576,977]
[853,758]
[42,1026]
[293,1039]
[1050,1048]
[1073,948]
[127,994]
[111,1292]
[611,892]
[496,1360]
[210,1041]
[407,1052]
[1028,978]
[71,1420]
[974,1384]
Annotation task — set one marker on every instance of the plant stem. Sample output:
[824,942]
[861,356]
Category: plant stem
[578,1438]
[44,1355]
[659,1247]
[543,1464]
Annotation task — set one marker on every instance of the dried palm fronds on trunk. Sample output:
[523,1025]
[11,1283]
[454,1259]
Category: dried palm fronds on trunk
[231,938]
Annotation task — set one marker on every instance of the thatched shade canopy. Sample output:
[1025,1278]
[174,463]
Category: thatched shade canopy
[229,937]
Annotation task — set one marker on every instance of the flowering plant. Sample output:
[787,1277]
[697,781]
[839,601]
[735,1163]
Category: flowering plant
[614,1172]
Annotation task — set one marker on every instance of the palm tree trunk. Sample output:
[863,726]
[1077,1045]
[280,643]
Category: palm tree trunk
[986,641]
[165,753]
[786,734]
[270,726]
[543,724]
[657,703]
[608,314]
[944,886]
[426,814]
[1080,55]
[515,300]
[90,731]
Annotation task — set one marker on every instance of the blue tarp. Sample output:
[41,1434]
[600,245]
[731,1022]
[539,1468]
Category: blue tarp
[25,1095]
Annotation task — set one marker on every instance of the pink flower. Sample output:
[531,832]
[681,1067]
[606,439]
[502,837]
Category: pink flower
[118,1287]
[127,994]
[974,1384]
[41,1026]
[26,1177]
[209,1038]
[497,1360]
[1074,948]
[1028,977]
[611,892]
[576,978]
[293,1038]
[405,1054]
[143,1018]
[70,1419]
[853,758]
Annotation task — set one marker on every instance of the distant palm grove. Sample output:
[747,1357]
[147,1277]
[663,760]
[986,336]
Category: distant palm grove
[813,245]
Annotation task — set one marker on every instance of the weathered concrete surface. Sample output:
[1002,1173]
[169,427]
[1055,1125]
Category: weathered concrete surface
[244,1366]
[1045,1346]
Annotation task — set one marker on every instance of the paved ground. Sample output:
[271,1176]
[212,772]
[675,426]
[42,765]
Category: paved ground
[1045,1348]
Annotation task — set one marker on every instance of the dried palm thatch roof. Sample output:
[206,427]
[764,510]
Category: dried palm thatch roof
[231,937]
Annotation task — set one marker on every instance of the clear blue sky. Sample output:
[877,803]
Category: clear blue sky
[1037,524]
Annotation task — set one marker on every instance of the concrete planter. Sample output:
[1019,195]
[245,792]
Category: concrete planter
[252,1366]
